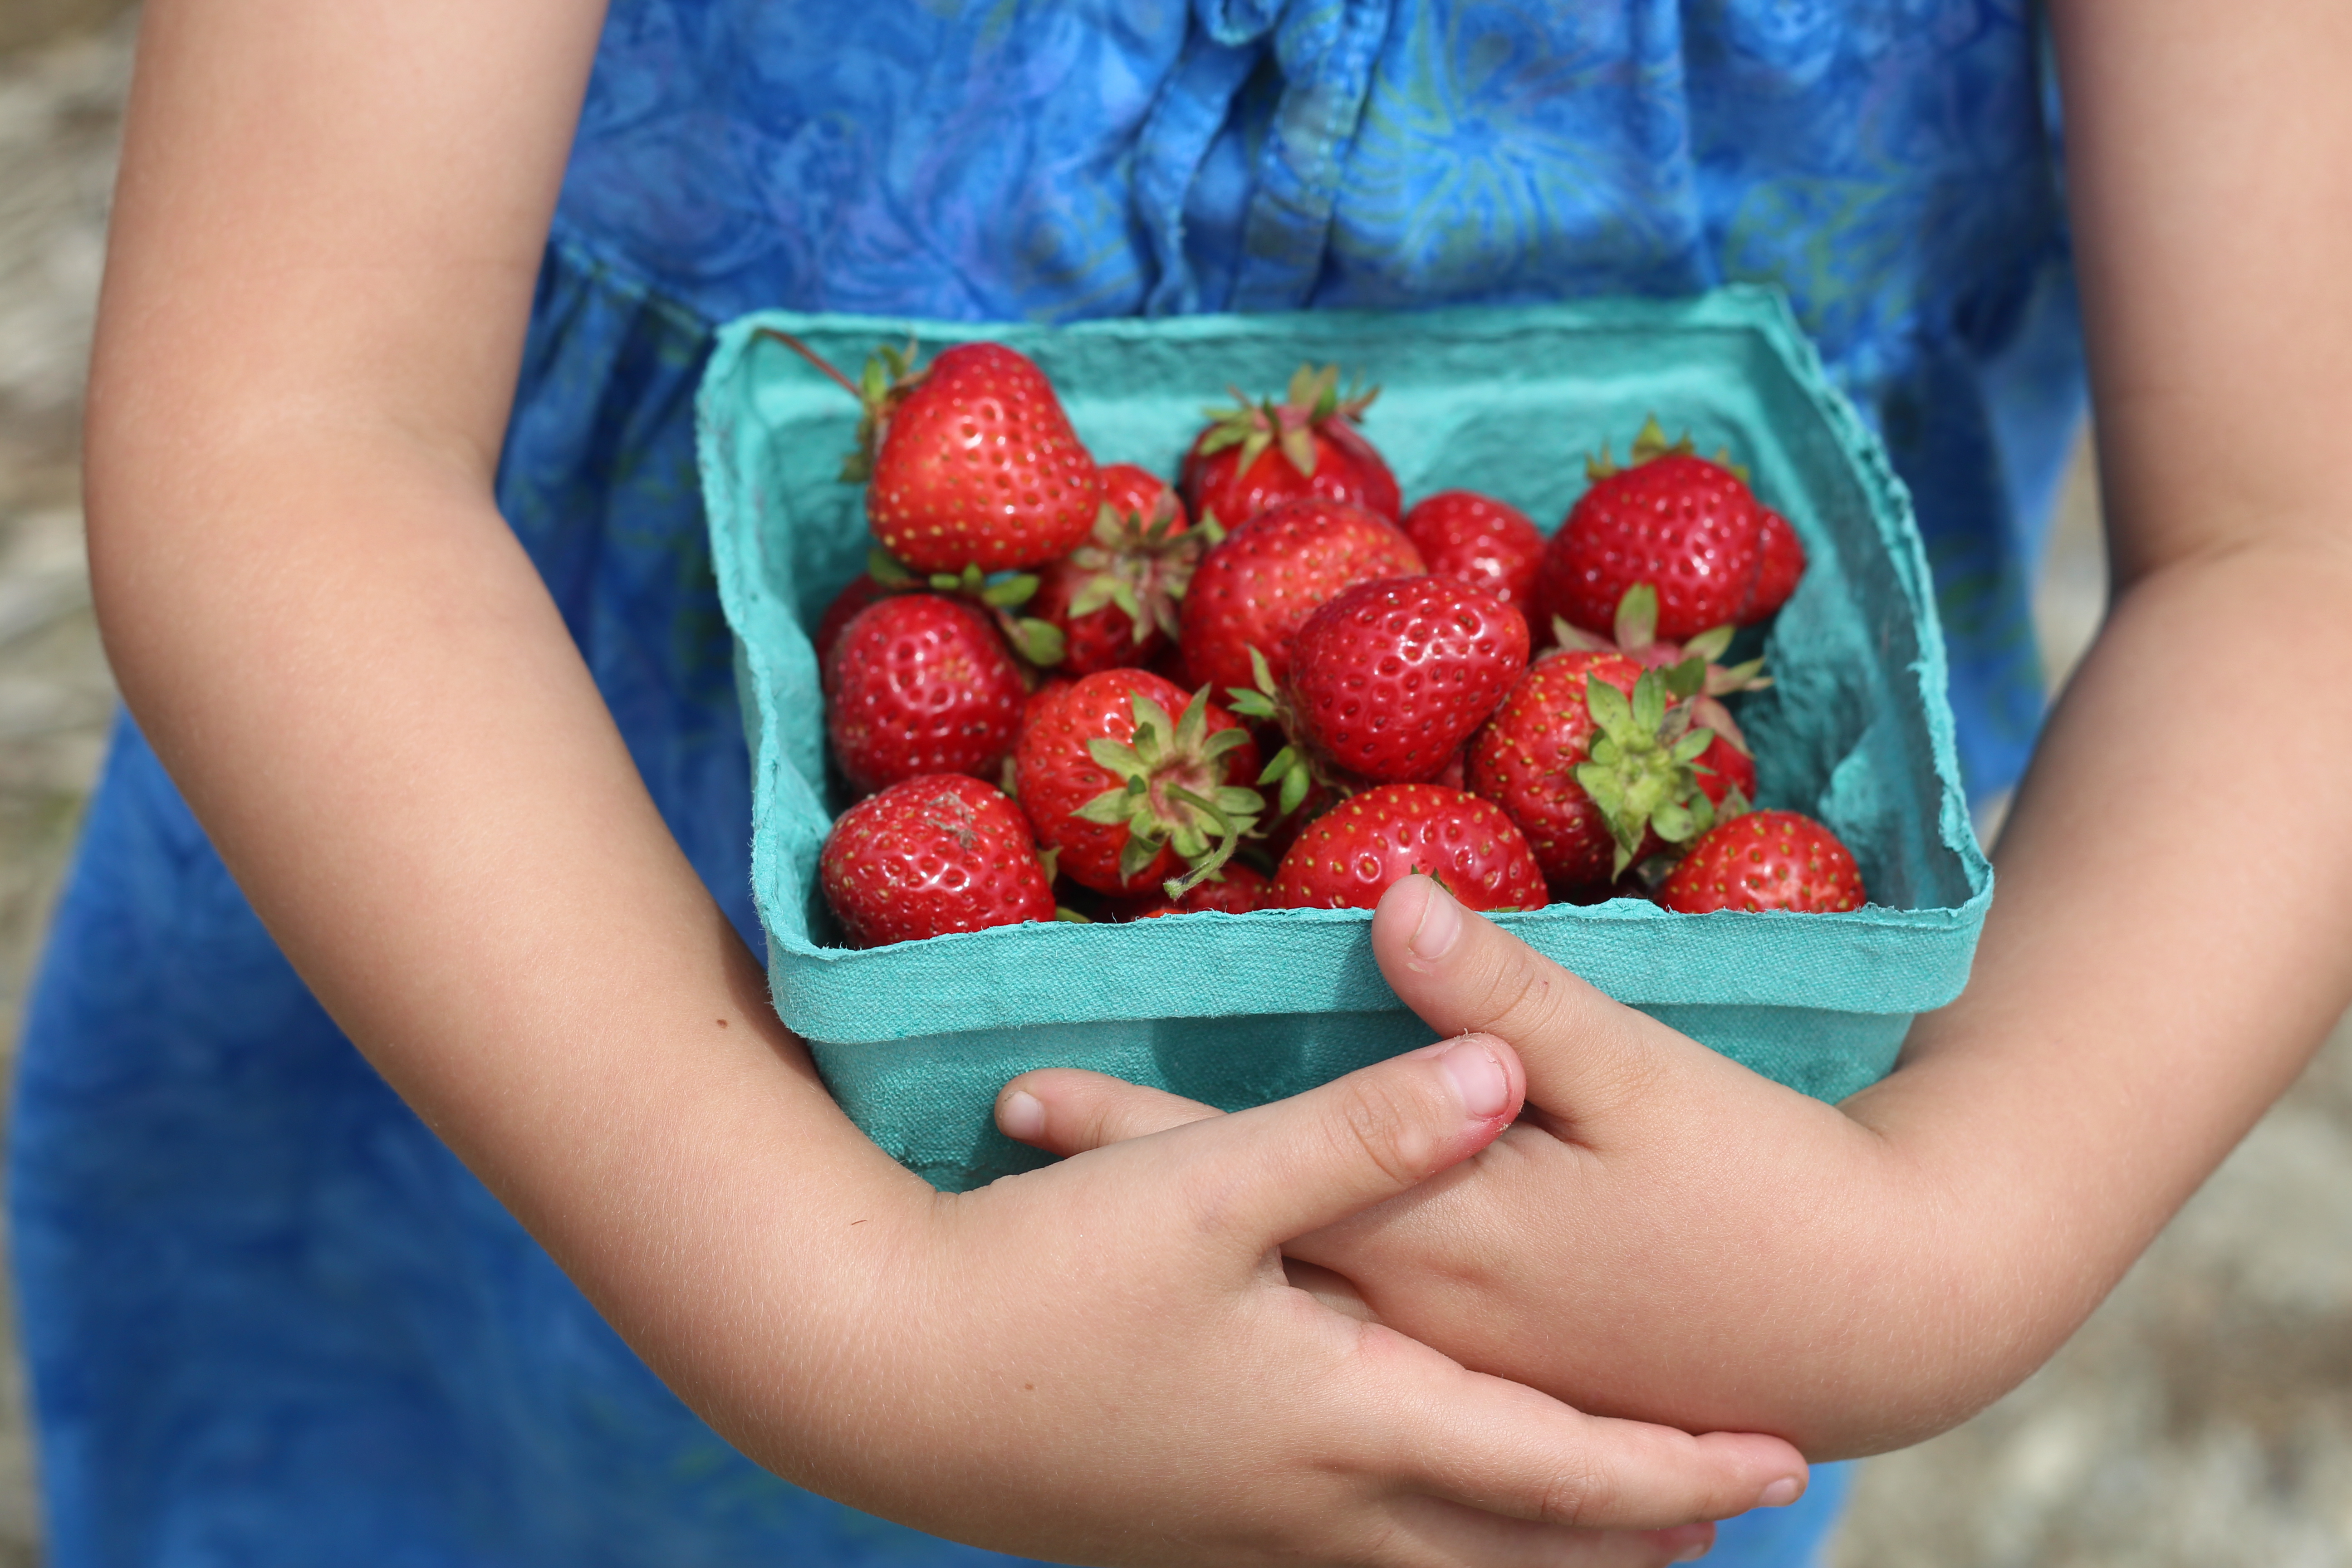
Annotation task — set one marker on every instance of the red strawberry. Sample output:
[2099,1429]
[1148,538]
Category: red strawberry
[1346,859]
[1723,768]
[1587,757]
[940,853]
[970,462]
[1130,795]
[1115,596]
[1766,860]
[1235,889]
[921,684]
[1480,540]
[1781,563]
[1257,587]
[1689,526]
[862,591]
[1391,678]
[1257,455]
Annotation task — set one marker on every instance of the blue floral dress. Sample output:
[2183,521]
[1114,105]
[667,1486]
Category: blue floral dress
[270,1320]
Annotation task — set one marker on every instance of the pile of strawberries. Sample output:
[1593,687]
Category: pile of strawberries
[1068,690]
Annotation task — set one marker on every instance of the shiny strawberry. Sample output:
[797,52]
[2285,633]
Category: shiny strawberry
[970,462]
[1235,890]
[1389,678]
[862,591]
[1587,755]
[940,853]
[1115,596]
[1258,455]
[1689,526]
[1766,860]
[1347,858]
[1132,795]
[1478,539]
[921,684]
[1781,563]
[1257,587]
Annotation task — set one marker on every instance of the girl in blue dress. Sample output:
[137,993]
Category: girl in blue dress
[435,773]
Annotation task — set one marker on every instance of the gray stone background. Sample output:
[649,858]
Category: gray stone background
[2200,1420]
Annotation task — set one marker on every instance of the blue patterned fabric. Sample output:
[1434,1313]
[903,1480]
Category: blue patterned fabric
[270,1320]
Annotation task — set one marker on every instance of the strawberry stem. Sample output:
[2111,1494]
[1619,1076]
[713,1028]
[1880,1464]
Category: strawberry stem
[813,358]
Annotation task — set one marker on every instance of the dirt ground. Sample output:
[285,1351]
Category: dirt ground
[2202,1419]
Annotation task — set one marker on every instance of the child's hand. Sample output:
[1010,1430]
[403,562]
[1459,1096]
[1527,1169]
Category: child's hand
[1102,1362]
[1664,1235]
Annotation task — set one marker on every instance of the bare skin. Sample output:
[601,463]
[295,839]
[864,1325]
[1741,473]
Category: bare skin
[1669,1237]
[329,222]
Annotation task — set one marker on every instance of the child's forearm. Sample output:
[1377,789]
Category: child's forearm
[2167,947]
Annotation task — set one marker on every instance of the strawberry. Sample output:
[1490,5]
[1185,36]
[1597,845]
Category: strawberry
[1235,890]
[1727,774]
[921,684]
[1673,518]
[1586,756]
[1128,795]
[1780,561]
[1389,678]
[1346,859]
[1766,860]
[1477,539]
[862,591]
[943,852]
[1257,587]
[1255,456]
[1115,596]
[970,462]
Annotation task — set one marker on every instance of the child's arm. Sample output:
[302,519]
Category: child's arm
[2173,930]
[328,226]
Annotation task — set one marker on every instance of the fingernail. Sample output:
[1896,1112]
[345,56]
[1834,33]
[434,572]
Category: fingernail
[1781,1493]
[1022,1115]
[1478,1078]
[1441,923]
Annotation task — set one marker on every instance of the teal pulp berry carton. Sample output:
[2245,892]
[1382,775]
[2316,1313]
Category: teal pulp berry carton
[915,1039]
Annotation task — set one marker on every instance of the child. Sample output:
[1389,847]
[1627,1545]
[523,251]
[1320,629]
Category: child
[476,778]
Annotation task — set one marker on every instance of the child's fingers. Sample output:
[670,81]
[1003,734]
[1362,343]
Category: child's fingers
[1586,1055]
[1491,1444]
[1067,1110]
[1265,1176]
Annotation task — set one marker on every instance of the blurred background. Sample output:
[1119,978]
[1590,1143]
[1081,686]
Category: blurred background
[2202,1419]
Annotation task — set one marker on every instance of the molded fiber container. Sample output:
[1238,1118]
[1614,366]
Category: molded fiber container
[915,1039]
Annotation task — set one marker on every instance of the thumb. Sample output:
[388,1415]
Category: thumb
[1280,1171]
[1587,1057]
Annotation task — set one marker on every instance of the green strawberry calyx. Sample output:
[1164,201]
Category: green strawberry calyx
[1170,791]
[1298,767]
[1642,772]
[1037,642]
[1312,398]
[1141,564]
[1693,672]
[1651,442]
